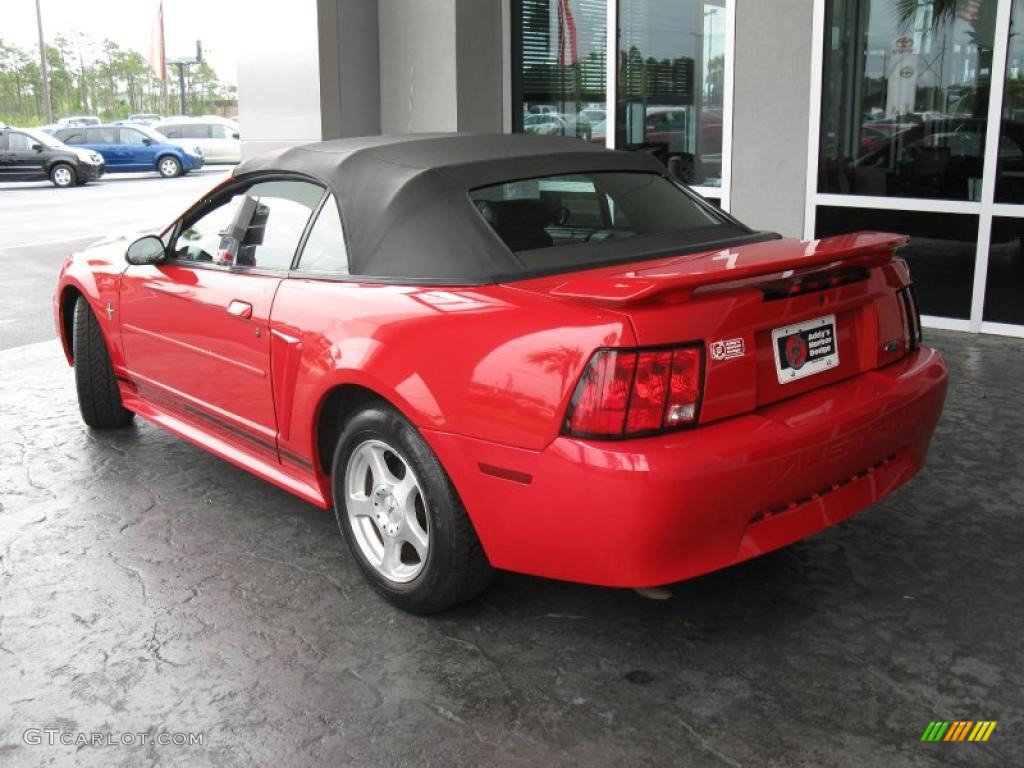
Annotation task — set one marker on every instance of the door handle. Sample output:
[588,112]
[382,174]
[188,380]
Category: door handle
[240,309]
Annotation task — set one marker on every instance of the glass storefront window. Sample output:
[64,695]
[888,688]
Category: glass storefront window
[905,89]
[1010,167]
[559,61]
[1005,282]
[940,252]
[671,84]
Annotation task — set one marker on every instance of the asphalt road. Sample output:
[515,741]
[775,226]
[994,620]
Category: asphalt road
[40,225]
[148,587]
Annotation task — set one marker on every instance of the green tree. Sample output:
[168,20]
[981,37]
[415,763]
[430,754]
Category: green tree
[96,78]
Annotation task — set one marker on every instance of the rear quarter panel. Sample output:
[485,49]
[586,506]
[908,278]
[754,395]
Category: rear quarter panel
[485,362]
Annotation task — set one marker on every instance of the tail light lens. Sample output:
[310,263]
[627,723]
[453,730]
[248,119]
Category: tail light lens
[911,318]
[625,393]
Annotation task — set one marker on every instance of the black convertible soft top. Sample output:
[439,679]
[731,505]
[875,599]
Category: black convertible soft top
[404,200]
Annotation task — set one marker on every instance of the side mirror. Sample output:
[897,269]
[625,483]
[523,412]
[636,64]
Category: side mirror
[37,147]
[235,135]
[146,250]
[147,141]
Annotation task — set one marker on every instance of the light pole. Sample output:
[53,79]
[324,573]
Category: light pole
[42,65]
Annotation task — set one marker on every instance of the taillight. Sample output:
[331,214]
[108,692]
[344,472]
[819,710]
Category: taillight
[629,392]
[911,318]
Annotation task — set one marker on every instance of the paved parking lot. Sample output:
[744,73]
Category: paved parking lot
[40,225]
[146,587]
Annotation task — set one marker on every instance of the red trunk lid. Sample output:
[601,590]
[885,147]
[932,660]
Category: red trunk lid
[733,299]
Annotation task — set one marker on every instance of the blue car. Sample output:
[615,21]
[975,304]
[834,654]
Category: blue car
[133,148]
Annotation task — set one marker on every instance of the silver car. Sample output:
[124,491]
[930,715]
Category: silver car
[217,137]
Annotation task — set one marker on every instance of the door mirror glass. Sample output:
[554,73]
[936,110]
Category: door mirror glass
[37,147]
[146,250]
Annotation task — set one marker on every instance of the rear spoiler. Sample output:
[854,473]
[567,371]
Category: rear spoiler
[771,259]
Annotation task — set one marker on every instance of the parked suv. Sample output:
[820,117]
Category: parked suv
[28,155]
[218,138]
[133,148]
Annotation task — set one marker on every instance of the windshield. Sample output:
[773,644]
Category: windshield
[43,138]
[588,208]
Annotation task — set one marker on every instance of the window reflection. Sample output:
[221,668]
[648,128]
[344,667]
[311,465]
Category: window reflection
[905,98]
[672,84]
[1010,168]
[1005,283]
[940,252]
[561,66]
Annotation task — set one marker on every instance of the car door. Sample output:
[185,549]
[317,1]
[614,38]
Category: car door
[213,144]
[224,144]
[6,159]
[24,161]
[138,151]
[107,141]
[195,135]
[196,328]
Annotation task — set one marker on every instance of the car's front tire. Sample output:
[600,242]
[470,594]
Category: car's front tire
[63,175]
[401,516]
[168,166]
[99,398]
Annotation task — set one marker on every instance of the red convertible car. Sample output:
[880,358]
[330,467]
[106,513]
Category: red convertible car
[515,352]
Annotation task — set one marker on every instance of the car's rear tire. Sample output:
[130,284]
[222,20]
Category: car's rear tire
[401,516]
[63,175]
[168,166]
[99,398]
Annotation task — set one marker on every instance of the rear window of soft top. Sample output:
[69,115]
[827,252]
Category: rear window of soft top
[571,209]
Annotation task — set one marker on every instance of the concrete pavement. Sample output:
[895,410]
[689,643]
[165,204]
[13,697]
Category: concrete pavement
[148,587]
[40,225]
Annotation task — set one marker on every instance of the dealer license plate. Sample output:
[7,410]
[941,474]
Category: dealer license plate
[805,349]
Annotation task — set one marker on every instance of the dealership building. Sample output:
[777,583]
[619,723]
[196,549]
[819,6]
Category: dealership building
[805,117]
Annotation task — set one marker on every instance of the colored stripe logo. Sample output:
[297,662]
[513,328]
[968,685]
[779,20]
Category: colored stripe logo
[959,730]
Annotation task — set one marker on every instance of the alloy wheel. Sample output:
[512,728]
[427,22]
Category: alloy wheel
[387,511]
[169,167]
[62,177]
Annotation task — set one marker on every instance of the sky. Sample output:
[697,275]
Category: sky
[128,23]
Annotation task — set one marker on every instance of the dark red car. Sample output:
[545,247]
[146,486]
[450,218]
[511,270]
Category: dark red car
[514,352]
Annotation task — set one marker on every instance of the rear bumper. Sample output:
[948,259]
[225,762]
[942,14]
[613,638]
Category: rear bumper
[659,510]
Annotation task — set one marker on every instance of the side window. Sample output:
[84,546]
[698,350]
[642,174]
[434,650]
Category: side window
[19,142]
[101,135]
[170,131]
[259,227]
[325,249]
[219,131]
[201,237]
[3,141]
[195,131]
[131,136]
